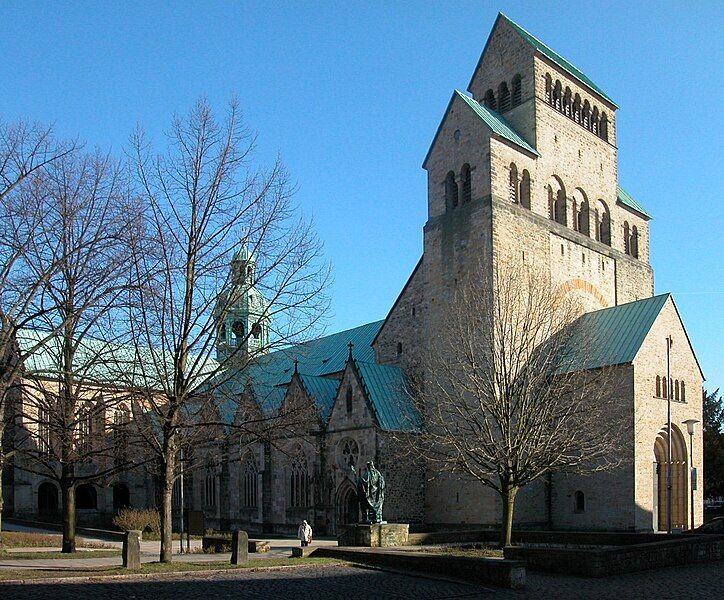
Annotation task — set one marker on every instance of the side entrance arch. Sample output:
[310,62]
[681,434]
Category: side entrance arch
[679,484]
[346,506]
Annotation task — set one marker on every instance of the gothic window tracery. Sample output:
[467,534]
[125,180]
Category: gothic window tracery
[249,483]
[348,453]
[299,481]
[210,488]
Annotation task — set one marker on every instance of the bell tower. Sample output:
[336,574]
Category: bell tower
[242,312]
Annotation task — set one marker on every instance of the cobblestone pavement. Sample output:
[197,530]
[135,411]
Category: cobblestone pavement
[344,582]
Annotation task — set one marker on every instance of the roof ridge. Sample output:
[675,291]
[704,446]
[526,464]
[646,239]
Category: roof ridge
[555,56]
[662,296]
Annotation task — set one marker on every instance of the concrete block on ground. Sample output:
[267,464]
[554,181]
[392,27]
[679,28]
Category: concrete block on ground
[302,551]
[239,547]
[132,550]
[376,535]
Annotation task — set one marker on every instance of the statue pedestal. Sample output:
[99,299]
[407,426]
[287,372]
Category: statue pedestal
[377,535]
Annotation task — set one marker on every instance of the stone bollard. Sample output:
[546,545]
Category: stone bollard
[132,550]
[239,547]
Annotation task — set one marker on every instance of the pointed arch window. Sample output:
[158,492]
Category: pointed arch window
[467,183]
[44,429]
[299,482]
[683,392]
[210,488]
[586,115]
[658,386]
[489,100]
[517,91]
[451,191]
[626,238]
[666,387]
[249,483]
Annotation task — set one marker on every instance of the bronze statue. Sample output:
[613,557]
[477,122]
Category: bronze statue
[371,493]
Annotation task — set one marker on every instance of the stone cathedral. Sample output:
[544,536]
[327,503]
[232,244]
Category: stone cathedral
[523,166]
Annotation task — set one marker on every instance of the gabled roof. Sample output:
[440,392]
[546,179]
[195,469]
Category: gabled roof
[388,391]
[553,56]
[498,125]
[323,390]
[628,200]
[271,374]
[618,333]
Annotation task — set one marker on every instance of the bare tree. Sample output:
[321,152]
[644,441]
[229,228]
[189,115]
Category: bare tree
[25,151]
[204,197]
[73,335]
[507,395]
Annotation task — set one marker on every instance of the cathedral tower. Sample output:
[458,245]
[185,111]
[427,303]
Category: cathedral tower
[242,312]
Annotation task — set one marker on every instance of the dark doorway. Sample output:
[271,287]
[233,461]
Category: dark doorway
[121,496]
[86,497]
[347,507]
[47,500]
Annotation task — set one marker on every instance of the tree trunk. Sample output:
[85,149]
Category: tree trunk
[68,497]
[508,496]
[166,514]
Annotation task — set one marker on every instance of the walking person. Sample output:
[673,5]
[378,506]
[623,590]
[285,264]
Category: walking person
[305,533]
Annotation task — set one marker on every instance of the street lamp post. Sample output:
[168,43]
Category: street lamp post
[669,392]
[692,471]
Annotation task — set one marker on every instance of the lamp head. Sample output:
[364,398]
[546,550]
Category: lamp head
[690,425]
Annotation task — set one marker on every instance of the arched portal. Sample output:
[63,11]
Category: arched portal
[346,506]
[47,500]
[679,517]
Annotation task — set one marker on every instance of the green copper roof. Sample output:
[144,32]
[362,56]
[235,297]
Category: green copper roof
[557,58]
[618,333]
[628,200]
[270,375]
[389,392]
[323,390]
[497,123]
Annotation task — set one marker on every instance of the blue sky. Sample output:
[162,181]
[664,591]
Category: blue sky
[351,95]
